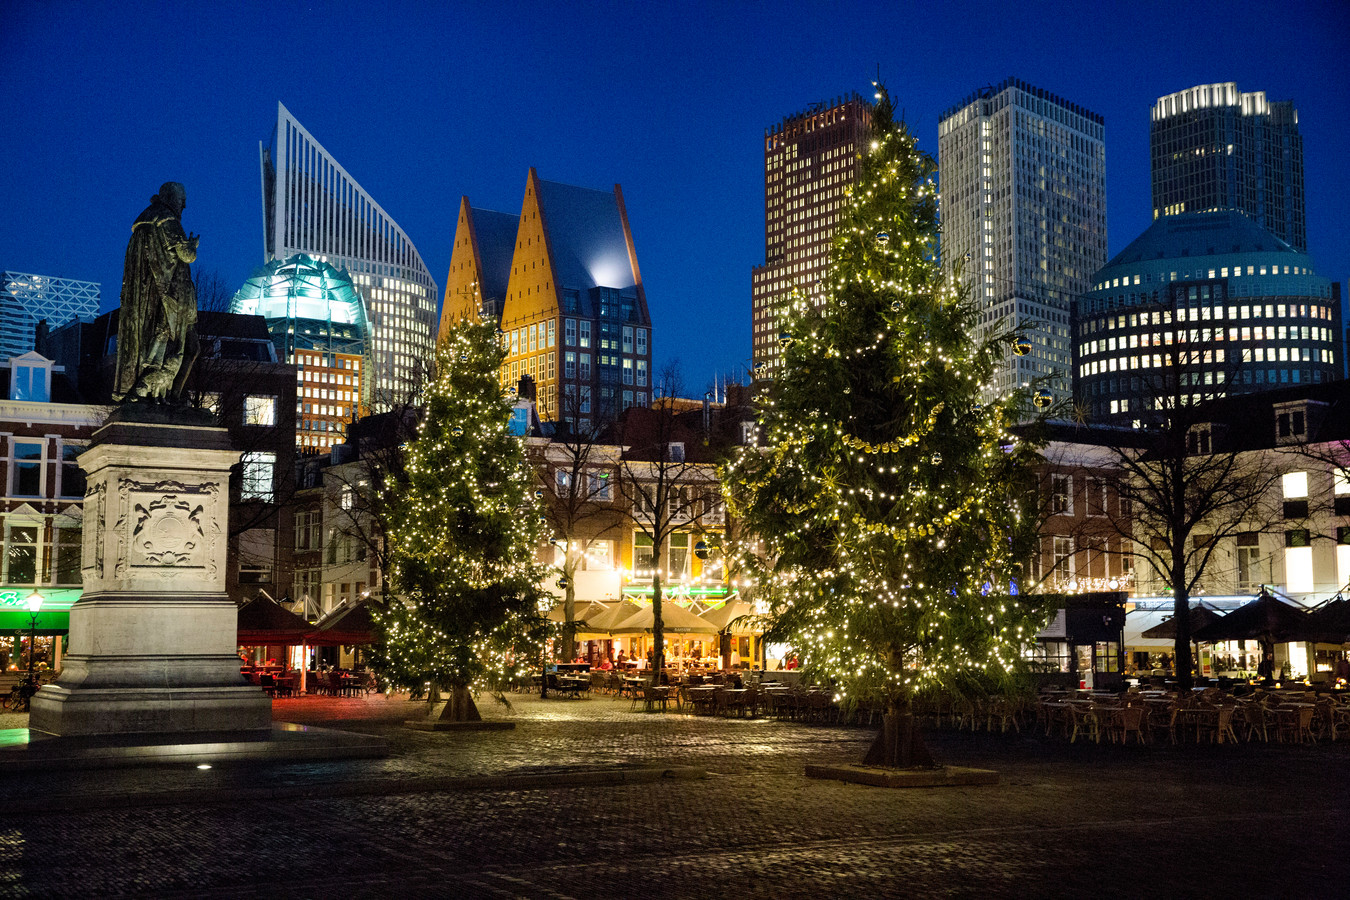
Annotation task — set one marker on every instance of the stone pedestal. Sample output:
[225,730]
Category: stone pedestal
[153,639]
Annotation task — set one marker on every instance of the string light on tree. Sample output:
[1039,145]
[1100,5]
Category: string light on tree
[887,496]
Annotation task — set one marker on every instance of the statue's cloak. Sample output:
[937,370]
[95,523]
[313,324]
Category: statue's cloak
[152,277]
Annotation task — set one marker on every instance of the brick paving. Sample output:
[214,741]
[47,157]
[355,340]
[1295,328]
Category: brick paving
[1064,820]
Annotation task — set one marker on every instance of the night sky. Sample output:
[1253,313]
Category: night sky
[425,102]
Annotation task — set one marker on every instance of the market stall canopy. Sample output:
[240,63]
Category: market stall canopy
[263,621]
[675,619]
[1201,616]
[1267,619]
[348,624]
[727,616]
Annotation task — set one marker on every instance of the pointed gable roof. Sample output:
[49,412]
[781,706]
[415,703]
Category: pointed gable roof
[480,263]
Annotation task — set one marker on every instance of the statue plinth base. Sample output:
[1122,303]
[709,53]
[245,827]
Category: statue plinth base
[153,638]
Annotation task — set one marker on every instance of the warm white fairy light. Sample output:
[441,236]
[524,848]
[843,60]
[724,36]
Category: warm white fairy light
[888,495]
[465,525]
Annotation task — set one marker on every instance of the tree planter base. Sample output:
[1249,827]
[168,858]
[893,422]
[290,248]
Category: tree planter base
[879,776]
[450,725]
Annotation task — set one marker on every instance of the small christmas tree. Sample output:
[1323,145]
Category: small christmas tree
[893,507]
[465,611]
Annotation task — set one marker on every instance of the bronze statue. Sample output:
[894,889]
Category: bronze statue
[157,327]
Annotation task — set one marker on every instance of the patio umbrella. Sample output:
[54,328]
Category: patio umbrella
[263,621]
[725,617]
[603,622]
[348,624]
[1331,623]
[582,613]
[674,619]
[1267,620]
[1201,616]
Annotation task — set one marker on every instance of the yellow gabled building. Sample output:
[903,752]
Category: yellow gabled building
[574,313]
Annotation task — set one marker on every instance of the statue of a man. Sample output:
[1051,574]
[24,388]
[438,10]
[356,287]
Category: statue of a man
[157,327]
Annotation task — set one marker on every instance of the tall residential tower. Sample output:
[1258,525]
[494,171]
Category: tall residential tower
[1023,179]
[1213,147]
[810,160]
[312,206]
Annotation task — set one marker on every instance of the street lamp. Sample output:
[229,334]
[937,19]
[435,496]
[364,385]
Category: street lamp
[34,604]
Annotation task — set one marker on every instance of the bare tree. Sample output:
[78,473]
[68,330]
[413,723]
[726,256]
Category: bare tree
[1187,481]
[664,489]
[575,472]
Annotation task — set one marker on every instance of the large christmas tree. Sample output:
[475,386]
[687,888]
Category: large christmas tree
[465,611]
[894,509]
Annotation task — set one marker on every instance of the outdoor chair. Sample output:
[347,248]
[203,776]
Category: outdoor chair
[1296,724]
[1085,721]
[1129,720]
[655,696]
[1256,719]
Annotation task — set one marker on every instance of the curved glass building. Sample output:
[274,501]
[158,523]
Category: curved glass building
[1199,306]
[318,321]
[311,205]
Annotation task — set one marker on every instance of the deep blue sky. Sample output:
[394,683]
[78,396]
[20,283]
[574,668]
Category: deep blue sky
[425,102]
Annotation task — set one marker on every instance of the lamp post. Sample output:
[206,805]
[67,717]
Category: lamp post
[34,604]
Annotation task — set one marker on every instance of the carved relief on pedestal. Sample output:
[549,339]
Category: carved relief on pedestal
[165,527]
[94,525]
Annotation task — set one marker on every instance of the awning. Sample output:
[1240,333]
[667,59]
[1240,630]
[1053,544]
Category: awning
[1137,621]
[53,618]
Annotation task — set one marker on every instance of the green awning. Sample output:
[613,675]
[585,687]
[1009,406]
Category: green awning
[53,618]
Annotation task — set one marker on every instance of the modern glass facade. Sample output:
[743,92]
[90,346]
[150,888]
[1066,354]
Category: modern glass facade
[1214,147]
[1202,305]
[318,321]
[27,299]
[1023,180]
[810,161]
[311,205]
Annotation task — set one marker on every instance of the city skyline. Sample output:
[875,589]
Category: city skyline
[673,108]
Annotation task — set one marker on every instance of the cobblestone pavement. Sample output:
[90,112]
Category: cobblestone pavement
[1063,821]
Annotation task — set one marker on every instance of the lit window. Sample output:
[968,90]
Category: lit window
[256,480]
[260,410]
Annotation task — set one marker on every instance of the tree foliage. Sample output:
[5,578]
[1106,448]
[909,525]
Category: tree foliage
[895,510]
[465,531]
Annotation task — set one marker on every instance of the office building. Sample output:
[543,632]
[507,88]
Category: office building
[1023,202]
[311,205]
[1214,147]
[26,300]
[318,323]
[575,316]
[810,161]
[480,265]
[1202,305]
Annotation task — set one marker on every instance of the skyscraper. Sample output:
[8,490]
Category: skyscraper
[312,206]
[27,299]
[1023,179]
[810,160]
[1213,147]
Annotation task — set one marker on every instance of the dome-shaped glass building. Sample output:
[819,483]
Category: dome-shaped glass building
[1199,306]
[318,321]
